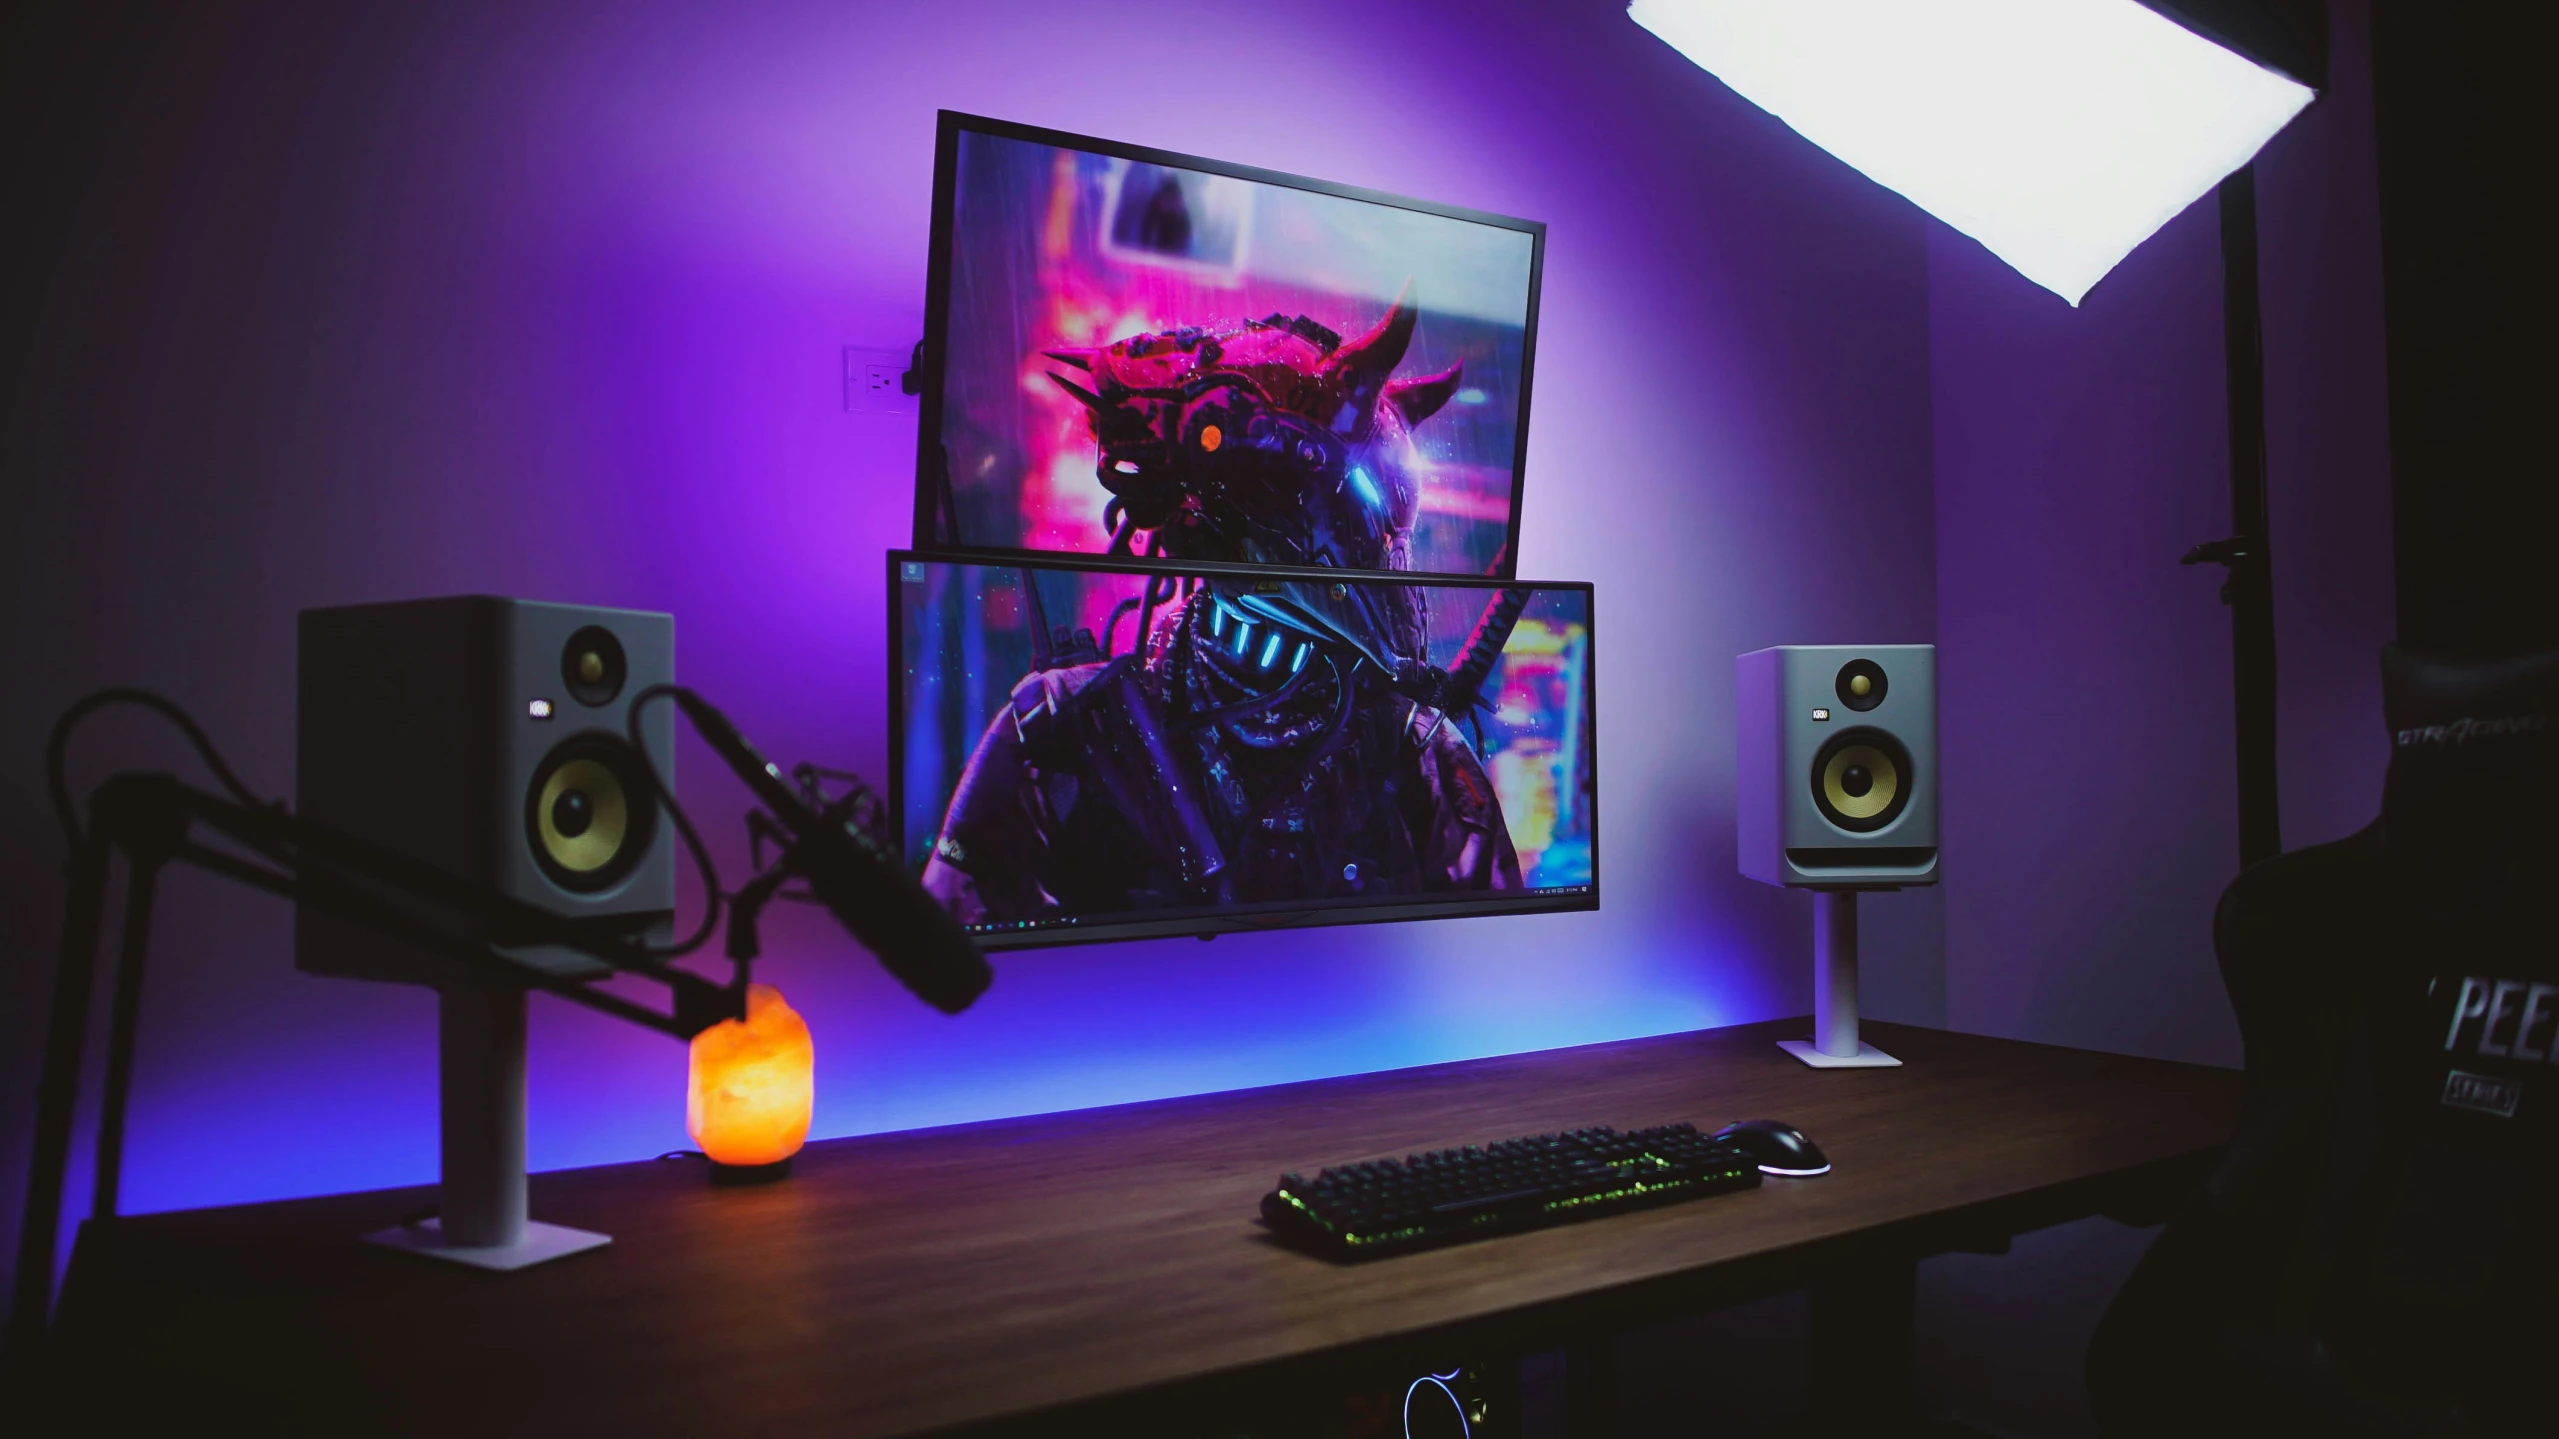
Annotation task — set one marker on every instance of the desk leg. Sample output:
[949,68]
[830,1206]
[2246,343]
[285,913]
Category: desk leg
[1590,1388]
[1861,1348]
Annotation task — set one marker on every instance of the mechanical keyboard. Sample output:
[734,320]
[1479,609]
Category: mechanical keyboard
[1383,1207]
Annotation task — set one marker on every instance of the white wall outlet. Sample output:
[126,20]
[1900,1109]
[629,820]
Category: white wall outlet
[871,381]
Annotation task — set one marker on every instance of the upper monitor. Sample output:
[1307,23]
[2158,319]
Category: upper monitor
[1095,749]
[1134,352]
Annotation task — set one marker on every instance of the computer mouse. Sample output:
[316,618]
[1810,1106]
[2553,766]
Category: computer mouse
[1780,1148]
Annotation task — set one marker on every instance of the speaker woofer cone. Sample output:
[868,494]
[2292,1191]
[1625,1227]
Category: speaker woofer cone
[1861,780]
[589,813]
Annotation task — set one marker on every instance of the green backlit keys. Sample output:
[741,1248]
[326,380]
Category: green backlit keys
[1385,1206]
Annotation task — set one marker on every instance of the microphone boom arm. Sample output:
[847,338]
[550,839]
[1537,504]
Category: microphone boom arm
[152,819]
[854,873]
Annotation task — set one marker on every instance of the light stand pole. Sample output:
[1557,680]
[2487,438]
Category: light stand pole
[2246,554]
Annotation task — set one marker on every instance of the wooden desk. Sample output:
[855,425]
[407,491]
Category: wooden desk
[948,1277]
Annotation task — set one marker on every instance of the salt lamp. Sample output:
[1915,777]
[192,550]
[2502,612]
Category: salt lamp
[752,1084]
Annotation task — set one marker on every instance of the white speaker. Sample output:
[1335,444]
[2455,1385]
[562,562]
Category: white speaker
[1837,793]
[1838,778]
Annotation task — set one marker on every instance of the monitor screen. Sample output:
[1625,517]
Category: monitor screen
[1093,749]
[1130,352]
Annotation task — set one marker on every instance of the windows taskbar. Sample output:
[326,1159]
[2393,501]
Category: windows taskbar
[1058,922]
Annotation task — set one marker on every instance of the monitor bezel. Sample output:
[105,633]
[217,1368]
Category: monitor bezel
[930,366]
[1385,910]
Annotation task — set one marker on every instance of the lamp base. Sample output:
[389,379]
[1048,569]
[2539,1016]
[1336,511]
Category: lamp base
[1866,1057]
[728,1174]
[539,1243]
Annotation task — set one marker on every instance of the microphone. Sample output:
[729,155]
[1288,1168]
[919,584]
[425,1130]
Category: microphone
[857,878]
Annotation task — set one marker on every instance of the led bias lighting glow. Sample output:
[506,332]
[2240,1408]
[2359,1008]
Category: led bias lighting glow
[2059,133]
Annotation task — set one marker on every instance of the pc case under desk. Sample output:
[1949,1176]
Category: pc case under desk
[1108,1264]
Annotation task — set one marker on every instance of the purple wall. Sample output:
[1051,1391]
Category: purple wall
[548,300]
[2085,677]
[2085,709]
[2087,712]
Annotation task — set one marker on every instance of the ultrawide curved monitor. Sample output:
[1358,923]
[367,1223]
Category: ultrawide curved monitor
[1129,352]
[1086,750]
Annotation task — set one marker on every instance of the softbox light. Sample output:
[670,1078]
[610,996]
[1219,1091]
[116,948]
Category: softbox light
[2058,133]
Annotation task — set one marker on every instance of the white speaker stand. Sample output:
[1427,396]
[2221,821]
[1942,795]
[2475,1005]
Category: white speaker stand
[1835,1044]
[480,1068]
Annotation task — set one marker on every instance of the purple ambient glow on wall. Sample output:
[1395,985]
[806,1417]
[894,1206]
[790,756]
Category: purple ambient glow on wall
[547,300]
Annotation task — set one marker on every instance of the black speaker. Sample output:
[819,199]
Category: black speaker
[488,737]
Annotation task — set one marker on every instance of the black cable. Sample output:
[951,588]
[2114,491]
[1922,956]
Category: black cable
[712,898]
[1111,628]
[1146,614]
[1120,533]
[58,782]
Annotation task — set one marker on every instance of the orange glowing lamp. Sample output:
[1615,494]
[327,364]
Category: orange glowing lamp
[752,1085]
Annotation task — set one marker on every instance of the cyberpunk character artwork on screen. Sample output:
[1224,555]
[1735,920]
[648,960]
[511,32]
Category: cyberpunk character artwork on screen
[1142,313]
[1269,739]
[1266,740]
[1101,386]
[1275,444]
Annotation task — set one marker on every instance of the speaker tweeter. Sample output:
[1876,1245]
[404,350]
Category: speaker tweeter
[594,666]
[1862,684]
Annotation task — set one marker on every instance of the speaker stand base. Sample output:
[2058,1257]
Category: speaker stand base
[1866,1057]
[1835,1044]
[539,1243]
[480,1077]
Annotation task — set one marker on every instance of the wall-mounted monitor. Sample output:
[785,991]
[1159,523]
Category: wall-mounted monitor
[1129,352]
[1089,749]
